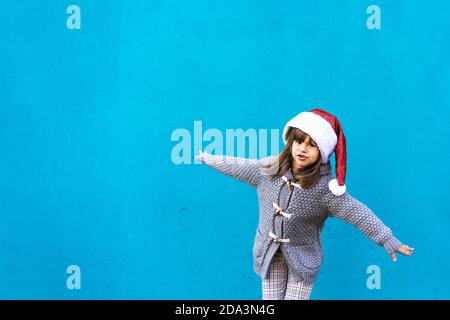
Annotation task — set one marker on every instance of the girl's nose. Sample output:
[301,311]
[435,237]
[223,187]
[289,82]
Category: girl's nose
[303,147]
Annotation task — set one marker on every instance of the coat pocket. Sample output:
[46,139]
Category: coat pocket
[306,257]
[259,245]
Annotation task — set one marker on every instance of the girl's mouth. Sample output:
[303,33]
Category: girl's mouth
[301,158]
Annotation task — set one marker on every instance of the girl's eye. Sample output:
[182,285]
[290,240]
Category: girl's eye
[313,145]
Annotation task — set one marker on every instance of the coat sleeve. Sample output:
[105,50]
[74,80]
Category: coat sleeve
[246,170]
[352,211]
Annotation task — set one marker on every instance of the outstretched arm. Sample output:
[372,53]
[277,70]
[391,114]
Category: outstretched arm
[352,211]
[246,170]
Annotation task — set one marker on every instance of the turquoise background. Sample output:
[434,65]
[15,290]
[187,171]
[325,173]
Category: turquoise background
[86,118]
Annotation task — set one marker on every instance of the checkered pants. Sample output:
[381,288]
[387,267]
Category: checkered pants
[279,284]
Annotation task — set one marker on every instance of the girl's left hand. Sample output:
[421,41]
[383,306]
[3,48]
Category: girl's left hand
[404,249]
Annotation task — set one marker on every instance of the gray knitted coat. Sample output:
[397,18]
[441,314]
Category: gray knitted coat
[291,219]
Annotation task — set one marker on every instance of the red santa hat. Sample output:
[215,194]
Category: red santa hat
[326,130]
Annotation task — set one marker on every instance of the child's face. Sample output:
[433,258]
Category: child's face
[304,153]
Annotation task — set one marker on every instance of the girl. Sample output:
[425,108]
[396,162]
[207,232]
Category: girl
[296,194]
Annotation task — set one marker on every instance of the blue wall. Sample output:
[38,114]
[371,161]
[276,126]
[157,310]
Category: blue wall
[86,118]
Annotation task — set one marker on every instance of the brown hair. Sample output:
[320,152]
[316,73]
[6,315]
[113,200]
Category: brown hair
[307,176]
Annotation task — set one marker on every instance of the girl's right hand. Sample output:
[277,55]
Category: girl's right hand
[200,156]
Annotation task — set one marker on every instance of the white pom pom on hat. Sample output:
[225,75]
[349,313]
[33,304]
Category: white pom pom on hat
[326,130]
[335,188]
